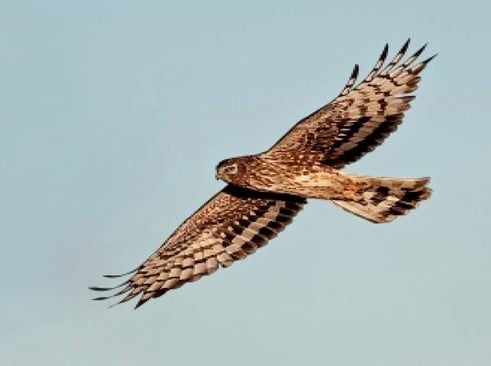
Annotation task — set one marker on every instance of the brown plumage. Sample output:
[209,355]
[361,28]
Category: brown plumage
[373,198]
[267,190]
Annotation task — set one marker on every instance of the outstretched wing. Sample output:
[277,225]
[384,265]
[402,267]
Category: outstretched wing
[361,117]
[230,226]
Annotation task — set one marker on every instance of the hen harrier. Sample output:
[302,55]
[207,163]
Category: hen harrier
[267,190]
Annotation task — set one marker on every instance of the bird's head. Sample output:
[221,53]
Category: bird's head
[231,170]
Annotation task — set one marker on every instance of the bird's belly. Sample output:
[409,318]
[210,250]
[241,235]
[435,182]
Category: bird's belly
[324,184]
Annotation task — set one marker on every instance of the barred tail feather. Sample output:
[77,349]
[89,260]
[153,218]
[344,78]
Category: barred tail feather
[384,199]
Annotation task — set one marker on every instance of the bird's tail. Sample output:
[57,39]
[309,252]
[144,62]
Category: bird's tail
[384,199]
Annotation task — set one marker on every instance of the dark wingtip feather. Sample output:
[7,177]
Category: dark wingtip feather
[140,303]
[101,298]
[423,63]
[113,305]
[97,288]
[351,81]
[123,274]
[127,298]
[401,52]
[353,77]
[429,59]
[397,57]
[416,69]
[420,51]
[385,52]
[405,46]
[356,70]
[380,62]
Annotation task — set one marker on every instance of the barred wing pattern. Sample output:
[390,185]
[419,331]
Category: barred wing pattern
[361,117]
[230,226]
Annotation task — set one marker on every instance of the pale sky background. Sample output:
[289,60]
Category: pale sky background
[113,117]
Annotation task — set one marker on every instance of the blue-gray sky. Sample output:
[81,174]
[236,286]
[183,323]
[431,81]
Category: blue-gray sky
[114,115]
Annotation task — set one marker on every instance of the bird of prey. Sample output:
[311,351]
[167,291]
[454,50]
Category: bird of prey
[265,191]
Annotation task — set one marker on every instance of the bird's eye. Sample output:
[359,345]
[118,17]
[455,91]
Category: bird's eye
[231,169]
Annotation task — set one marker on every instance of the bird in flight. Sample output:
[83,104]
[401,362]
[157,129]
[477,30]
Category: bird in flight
[265,191]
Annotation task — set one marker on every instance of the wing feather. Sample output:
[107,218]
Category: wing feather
[230,226]
[361,117]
